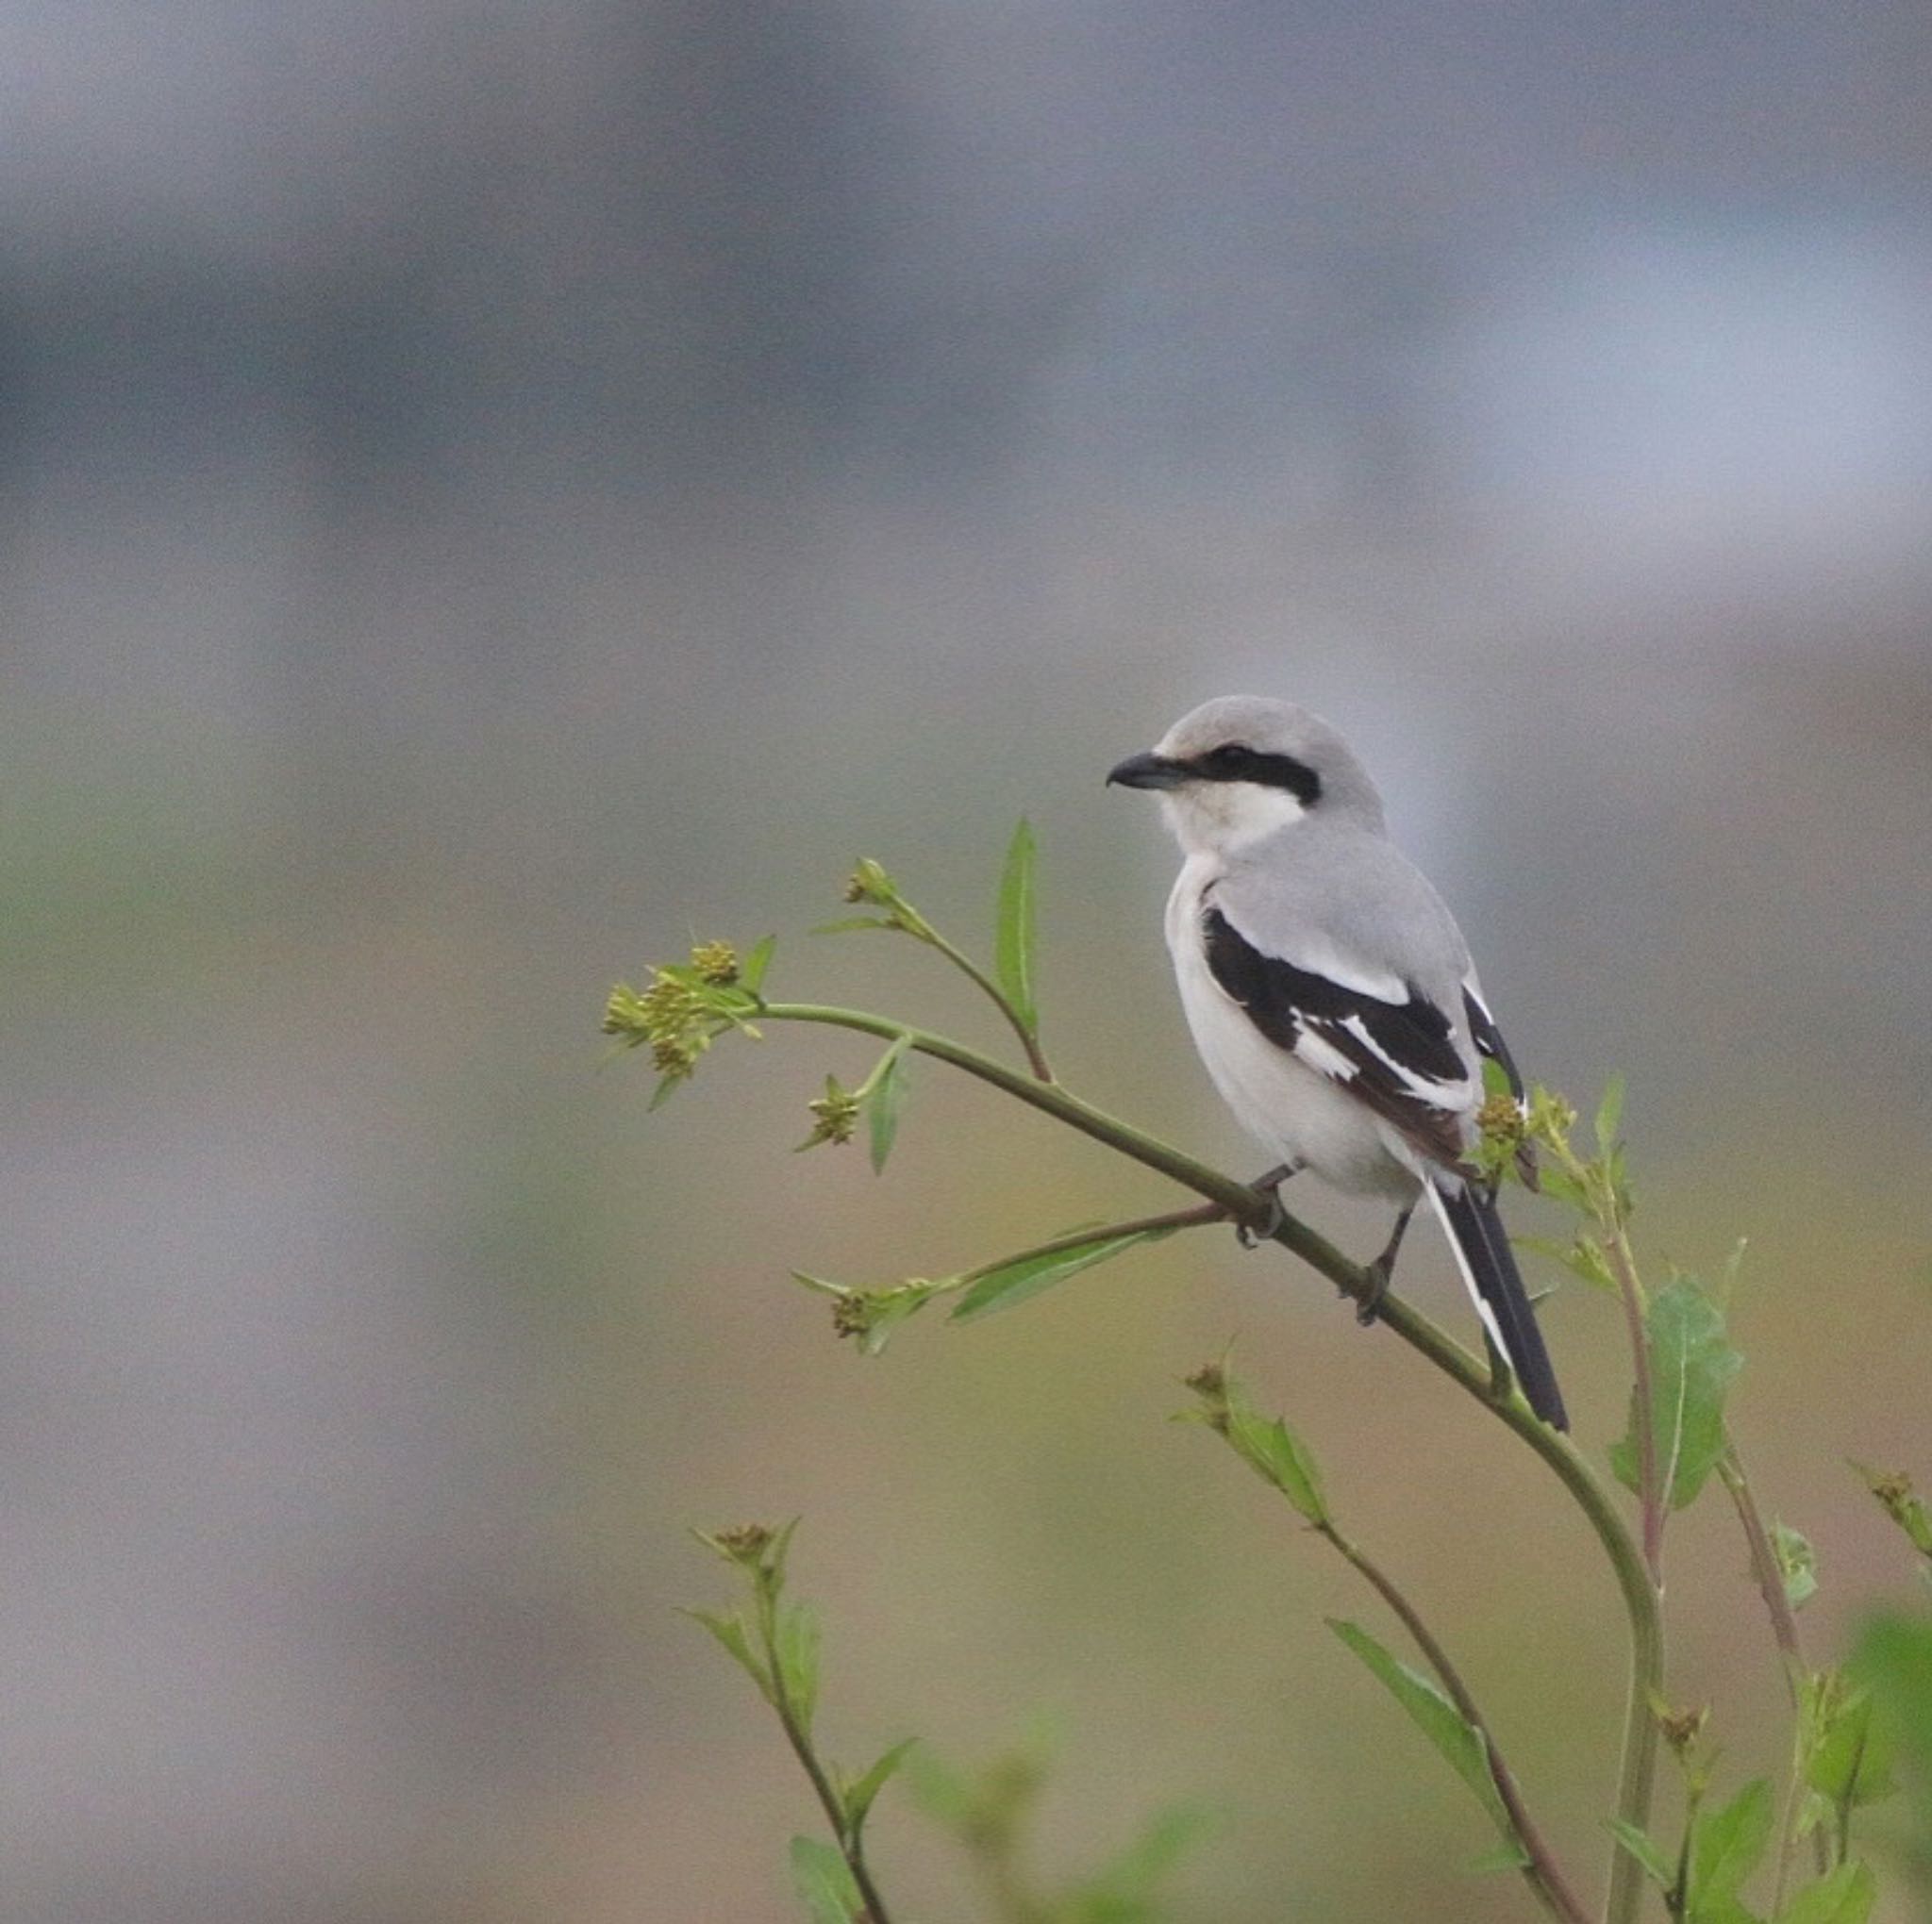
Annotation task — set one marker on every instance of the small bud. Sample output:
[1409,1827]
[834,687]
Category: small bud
[671,1006]
[746,1544]
[1210,1382]
[870,883]
[1901,1502]
[716,963]
[624,1015]
[1551,1119]
[852,1313]
[1211,1385]
[838,1113]
[1681,1729]
[673,1055]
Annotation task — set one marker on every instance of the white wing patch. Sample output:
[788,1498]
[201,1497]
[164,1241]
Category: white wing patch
[1320,1053]
[1452,1096]
[1399,1054]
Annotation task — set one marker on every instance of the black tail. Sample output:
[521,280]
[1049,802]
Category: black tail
[1488,1267]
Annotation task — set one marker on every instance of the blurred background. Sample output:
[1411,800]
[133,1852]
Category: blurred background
[494,493]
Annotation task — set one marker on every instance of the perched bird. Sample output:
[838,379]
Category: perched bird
[1329,991]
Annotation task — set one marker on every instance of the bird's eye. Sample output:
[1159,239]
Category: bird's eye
[1231,759]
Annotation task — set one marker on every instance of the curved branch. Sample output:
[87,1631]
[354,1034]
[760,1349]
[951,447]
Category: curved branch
[1636,1774]
[1541,1870]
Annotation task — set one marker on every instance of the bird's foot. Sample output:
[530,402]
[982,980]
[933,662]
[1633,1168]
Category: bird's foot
[1268,1186]
[1367,1306]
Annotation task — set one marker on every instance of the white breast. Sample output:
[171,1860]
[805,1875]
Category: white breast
[1297,1114]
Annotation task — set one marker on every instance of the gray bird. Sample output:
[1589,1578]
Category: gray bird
[1329,991]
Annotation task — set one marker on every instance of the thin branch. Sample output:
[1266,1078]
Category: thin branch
[1788,1822]
[1638,1770]
[1784,1630]
[850,1840]
[1036,1059]
[1650,1492]
[1542,1871]
[1765,1568]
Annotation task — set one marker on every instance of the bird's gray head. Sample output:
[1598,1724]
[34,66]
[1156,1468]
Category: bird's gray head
[1244,767]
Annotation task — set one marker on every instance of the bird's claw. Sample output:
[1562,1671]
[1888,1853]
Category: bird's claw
[1269,1186]
[1368,1307]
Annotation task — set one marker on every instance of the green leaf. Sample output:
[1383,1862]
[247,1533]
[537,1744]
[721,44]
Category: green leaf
[753,973]
[1610,1114]
[858,1799]
[1499,1858]
[889,1082]
[1567,1189]
[891,1307]
[1851,1759]
[1646,1850]
[824,1879]
[734,1634]
[1277,1454]
[797,1642]
[1584,1258]
[886,1309]
[1894,1659]
[1125,1890]
[1797,1564]
[1846,1897]
[1013,1283]
[943,1791]
[1692,1367]
[1726,1845]
[1464,1746]
[1014,938]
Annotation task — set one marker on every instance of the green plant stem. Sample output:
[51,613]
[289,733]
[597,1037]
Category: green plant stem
[1036,1059]
[1788,1822]
[849,1836]
[1764,1567]
[1784,1630]
[1638,1772]
[1650,1493]
[1540,1871]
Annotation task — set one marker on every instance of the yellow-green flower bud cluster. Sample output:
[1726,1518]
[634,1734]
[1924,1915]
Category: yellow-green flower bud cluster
[683,1010]
[716,963]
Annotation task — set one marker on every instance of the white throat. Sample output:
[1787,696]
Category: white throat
[1220,817]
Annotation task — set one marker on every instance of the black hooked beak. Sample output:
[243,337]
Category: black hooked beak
[1149,771]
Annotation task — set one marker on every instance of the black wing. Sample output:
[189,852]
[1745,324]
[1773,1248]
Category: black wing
[1400,1058]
